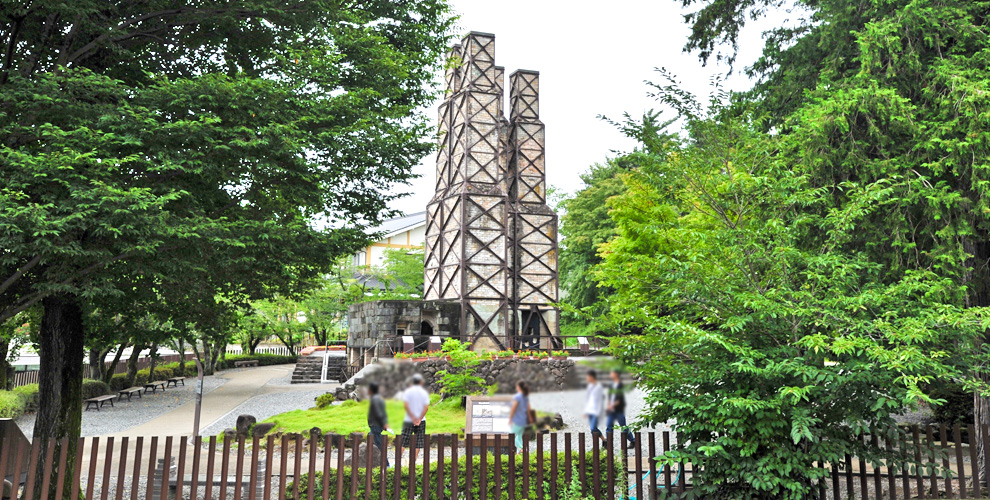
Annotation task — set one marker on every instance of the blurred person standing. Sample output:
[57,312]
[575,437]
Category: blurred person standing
[519,415]
[417,402]
[594,403]
[377,418]
[615,412]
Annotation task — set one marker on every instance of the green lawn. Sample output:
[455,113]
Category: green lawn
[352,416]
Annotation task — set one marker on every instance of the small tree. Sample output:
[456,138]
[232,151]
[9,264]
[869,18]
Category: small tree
[461,379]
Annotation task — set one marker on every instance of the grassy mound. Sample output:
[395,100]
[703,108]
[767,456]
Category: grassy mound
[352,416]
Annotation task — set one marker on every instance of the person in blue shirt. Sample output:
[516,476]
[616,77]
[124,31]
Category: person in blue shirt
[519,413]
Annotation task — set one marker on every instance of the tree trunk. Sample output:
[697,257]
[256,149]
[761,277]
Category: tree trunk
[153,355]
[91,370]
[132,363]
[6,369]
[62,348]
[112,369]
[208,360]
[979,295]
[181,348]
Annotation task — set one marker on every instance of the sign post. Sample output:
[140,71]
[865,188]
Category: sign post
[199,396]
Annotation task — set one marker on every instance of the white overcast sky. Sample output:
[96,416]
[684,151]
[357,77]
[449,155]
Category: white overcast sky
[593,59]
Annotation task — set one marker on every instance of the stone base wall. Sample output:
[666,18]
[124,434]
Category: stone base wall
[541,375]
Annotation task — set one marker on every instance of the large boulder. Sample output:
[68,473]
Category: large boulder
[244,423]
[260,430]
[362,456]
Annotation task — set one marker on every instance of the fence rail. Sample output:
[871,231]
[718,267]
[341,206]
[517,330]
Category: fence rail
[279,350]
[478,467]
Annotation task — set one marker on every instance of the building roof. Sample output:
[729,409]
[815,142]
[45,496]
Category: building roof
[398,225]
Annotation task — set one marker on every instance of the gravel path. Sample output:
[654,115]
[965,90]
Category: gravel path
[127,414]
[267,405]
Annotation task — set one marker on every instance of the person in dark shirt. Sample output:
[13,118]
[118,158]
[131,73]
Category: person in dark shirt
[377,418]
[616,409]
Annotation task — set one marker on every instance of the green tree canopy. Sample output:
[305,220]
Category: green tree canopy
[894,93]
[191,147]
[769,345]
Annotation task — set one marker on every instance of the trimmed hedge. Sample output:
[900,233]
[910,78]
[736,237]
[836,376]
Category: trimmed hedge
[304,493]
[93,388]
[19,401]
[30,394]
[11,404]
[169,370]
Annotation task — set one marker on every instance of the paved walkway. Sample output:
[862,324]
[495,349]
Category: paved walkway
[242,385]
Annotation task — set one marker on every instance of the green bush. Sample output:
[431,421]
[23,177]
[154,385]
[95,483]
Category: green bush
[263,359]
[29,393]
[324,400]
[534,486]
[177,371]
[11,404]
[958,405]
[93,388]
[162,372]
[119,382]
[462,379]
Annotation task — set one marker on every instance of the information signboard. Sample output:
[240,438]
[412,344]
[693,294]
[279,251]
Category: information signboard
[488,414]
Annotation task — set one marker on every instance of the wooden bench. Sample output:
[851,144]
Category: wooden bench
[154,386]
[174,381]
[99,401]
[130,391]
[245,363]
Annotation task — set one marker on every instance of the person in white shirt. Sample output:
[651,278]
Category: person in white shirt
[594,404]
[417,403]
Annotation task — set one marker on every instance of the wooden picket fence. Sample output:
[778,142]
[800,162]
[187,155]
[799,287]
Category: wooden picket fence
[316,467]
[26,377]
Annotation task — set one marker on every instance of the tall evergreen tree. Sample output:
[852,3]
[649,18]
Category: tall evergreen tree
[896,92]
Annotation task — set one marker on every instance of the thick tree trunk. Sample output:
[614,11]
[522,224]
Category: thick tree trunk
[132,363]
[112,369]
[210,359]
[62,348]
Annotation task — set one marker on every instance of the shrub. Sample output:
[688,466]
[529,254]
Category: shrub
[119,382]
[324,400]
[11,404]
[460,380]
[29,393]
[534,486]
[93,388]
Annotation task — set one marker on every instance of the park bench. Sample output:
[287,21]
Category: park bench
[245,363]
[154,386]
[130,391]
[99,401]
[174,381]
